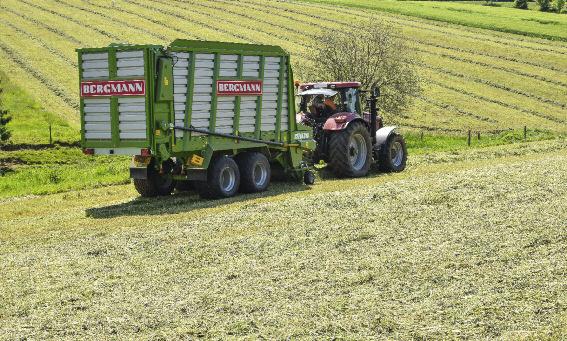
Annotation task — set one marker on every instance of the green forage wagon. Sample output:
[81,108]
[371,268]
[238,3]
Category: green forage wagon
[216,116]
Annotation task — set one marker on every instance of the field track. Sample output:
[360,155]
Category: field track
[478,79]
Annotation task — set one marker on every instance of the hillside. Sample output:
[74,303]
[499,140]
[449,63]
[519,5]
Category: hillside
[461,245]
[475,78]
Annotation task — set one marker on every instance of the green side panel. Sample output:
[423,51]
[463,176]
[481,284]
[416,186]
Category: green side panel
[165,80]
[259,104]
[213,118]
[280,98]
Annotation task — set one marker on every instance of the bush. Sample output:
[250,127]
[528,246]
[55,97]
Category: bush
[521,4]
[371,52]
[544,5]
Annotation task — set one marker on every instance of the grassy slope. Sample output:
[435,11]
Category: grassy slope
[466,244]
[505,19]
[478,79]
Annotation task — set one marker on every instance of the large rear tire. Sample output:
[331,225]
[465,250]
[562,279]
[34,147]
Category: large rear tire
[155,184]
[350,151]
[394,155]
[255,172]
[223,179]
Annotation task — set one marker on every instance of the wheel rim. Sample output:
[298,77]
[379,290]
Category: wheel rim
[396,154]
[357,152]
[227,179]
[260,174]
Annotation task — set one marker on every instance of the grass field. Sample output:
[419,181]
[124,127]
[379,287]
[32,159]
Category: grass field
[464,244]
[500,17]
[475,78]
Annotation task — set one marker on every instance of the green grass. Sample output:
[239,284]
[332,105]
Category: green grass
[475,79]
[467,244]
[505,19]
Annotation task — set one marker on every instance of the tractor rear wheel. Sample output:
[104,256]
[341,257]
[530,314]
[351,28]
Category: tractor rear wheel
[350,151]
[394,155]
[223,179]
[155,184]
[255,172]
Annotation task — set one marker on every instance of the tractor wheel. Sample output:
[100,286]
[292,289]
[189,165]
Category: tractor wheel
[255,172]
[394,154]
[155,184]
[350,151]
[223,179]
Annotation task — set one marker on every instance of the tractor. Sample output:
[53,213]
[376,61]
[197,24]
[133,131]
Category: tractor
[348,139]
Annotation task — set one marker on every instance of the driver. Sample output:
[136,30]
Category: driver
[323,106]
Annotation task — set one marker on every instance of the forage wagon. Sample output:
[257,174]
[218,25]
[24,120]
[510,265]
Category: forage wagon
[218,117]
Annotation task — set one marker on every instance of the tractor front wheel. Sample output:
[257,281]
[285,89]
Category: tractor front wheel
[350,151]
[393,155]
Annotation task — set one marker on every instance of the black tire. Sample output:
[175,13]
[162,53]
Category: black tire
[350,151]
[223,179]
[183,186]
[255,172]
[155,184]
[394,154]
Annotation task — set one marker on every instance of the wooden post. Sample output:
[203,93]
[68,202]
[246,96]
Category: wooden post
[525,133]
[469,138]
[421,136]
[478,135]
[50,138]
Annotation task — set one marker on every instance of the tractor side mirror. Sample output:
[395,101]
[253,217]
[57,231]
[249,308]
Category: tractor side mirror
[376,92]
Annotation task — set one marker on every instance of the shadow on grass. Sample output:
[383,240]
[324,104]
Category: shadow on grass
[184,202]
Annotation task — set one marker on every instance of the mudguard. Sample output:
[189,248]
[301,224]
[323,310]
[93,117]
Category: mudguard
[383,133]
[340,121]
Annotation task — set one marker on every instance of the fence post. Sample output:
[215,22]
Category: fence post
[478,135]
[469,138]
[421,136]
[525,133]
[50,138]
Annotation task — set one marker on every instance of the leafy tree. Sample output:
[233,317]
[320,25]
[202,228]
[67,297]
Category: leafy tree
[521,4]
[559,5]
[373,53]
[544,5]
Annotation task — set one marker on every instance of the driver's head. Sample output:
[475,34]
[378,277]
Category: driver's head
[318,100]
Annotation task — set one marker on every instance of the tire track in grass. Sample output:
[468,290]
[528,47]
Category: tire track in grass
[41,43]
[504,38]
[73,20]
[447,106]
[444,55]
[119,21]
[537,114]
[55,89]
[40,24]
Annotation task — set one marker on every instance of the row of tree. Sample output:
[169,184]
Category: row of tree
[544,5]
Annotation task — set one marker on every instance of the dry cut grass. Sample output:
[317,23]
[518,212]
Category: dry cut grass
[462,245]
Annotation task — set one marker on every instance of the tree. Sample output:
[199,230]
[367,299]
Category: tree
[544,5]
[521,4]
[373,53]
[559,4]
[4,119]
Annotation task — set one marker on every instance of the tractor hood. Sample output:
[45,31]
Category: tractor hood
[315,92]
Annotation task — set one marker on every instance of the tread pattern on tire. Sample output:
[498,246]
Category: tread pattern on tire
[246,162]
[210,189]
[385,161]
[339,151]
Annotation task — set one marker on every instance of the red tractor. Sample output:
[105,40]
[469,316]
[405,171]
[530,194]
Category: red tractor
[348,139]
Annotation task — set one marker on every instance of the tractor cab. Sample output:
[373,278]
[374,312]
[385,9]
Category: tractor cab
[321,100]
